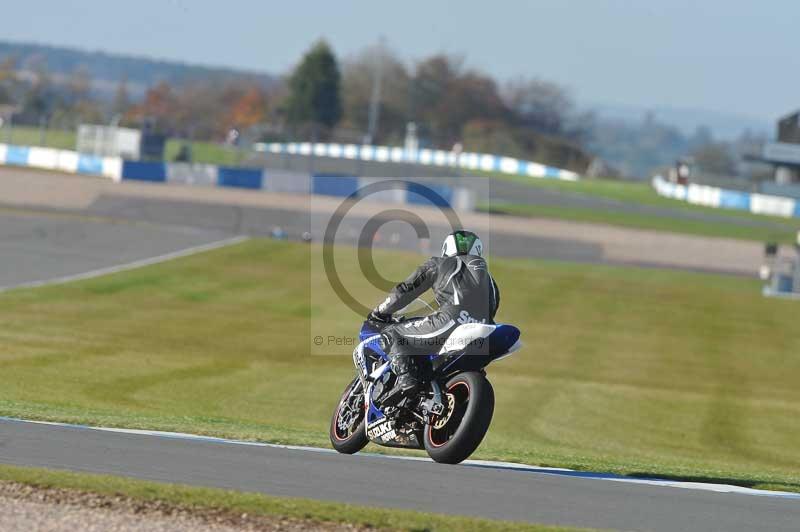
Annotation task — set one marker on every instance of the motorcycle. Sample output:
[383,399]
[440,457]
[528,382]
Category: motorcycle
[448,417]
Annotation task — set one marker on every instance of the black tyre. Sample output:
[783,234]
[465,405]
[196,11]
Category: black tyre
[455,436]
[348,434]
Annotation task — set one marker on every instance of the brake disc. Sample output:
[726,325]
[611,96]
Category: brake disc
[451,404]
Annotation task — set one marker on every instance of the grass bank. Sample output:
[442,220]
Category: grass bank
[641,372]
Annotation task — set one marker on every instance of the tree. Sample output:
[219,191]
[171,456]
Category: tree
[8,81]
[314,88]
[491,137]
[39,99]
[79,85]
[358,77]
[445,97]
[715,158]
[121,99]
[159,108]
[542,105]
[248,108]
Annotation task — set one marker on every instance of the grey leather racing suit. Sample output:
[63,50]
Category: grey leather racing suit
[465,292]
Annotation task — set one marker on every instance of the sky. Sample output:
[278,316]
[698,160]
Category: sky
[732,56]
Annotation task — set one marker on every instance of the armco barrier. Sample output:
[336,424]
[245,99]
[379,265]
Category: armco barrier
[728,199]
[388,154]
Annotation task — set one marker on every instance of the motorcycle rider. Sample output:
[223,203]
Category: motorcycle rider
[465,292]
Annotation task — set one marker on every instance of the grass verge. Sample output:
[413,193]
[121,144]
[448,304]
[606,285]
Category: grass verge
[782,232]
[255,504]
[633,371]
[202,152]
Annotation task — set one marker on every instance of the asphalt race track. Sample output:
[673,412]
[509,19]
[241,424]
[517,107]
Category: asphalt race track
[500,491]
[105,230]
[239,212]
[38,247]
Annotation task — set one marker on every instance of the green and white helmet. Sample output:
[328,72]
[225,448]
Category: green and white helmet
[462,243]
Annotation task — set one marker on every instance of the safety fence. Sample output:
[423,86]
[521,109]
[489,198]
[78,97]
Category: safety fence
[728,199]
[388,154]
[268,180]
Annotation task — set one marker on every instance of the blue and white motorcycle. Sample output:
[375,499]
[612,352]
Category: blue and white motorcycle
[448,418]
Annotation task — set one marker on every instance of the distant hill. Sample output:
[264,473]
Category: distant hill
[724,125]
[106,70]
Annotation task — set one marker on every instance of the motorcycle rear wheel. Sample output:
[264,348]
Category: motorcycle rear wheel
[348,433]
[455,436]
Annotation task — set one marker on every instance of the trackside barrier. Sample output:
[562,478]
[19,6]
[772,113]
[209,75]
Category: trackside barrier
[728,199]
[411,193]
[250,178]
[63,160]
[192,174]
[418,194]
[334,185]
[389,154]
[240,177]
[144,171]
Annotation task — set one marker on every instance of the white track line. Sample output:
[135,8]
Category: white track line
[702,486]
[130,265]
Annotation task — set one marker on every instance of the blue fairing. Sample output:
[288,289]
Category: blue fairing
[502,339]
[368,330]
[374,413]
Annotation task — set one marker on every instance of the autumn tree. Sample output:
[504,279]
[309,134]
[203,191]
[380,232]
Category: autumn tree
[8,80]
[159,108]
[445,97]
[248,107]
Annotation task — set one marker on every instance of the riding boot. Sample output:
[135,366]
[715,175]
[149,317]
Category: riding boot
[407,381]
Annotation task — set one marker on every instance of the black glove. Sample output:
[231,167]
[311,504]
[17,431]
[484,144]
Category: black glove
[378,316]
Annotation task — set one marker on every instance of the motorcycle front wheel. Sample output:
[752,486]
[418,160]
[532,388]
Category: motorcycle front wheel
[348,433]
[452,437]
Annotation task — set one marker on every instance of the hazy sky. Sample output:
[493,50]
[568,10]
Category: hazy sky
[734,56]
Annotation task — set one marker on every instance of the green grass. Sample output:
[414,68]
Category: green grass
[642,193]
[32,136]
[202,152]
[206,152]
[627,191]
[634,371]
[784,232]
[255,504]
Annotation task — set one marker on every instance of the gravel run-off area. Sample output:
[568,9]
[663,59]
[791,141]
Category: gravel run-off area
[32,509]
